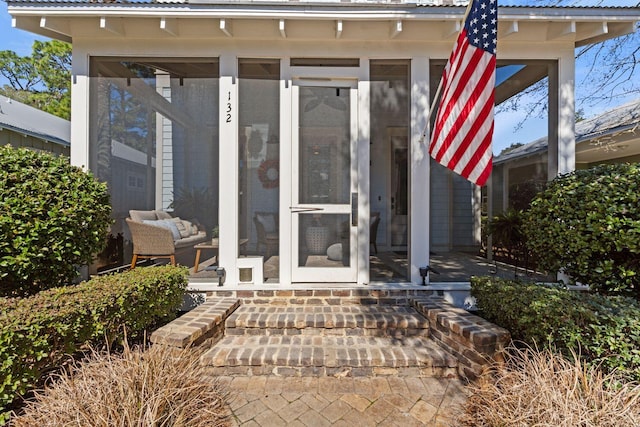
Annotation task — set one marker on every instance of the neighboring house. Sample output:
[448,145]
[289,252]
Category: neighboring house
[611,137]
[305,115]
[25,126]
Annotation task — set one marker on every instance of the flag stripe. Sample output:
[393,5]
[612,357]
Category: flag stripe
[463,129]
[457,106]
[451,80]
[457,91]
[486,106]
[465,104]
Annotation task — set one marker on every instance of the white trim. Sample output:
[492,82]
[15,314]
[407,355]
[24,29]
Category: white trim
[566,113]
[228,167]
[81,110]
[363,156]
[419,183]
[286,112]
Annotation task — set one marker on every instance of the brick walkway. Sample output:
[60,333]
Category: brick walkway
[328,401]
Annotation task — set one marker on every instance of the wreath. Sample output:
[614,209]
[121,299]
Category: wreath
[268,173]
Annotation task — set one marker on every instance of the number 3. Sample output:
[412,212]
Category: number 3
[229,107]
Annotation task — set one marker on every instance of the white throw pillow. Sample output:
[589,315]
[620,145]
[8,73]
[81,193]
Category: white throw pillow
[168,224]
[334,252]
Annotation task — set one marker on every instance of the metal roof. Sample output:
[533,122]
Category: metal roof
[289,3]
[619,119]
[30,121]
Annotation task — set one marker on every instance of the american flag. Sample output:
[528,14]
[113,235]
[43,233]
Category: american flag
[463,129]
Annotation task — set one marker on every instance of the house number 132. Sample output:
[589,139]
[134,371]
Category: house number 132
[229,107]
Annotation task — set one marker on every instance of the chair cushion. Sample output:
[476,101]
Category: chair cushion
[199,237]
[141,216]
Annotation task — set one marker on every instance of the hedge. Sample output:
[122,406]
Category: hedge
[604,330]
[54,217]
[39,333]
[588,223]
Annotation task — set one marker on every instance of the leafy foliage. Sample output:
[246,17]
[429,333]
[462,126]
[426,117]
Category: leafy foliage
[506,230]
[199,204]
[604,331]
[588,223]
[39,333]
[42,80]
[54,217]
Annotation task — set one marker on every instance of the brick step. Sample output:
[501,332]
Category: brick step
[345,320]
[323,297]
[329,355]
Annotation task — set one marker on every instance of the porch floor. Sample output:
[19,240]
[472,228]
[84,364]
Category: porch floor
[391,267]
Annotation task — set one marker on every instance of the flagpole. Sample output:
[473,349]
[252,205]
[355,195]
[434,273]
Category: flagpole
[439,89]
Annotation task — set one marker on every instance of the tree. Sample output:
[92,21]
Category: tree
[612,70]
[42,80]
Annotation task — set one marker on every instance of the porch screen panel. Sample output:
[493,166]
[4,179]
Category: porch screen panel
[389,178]
[259,155]
[154,140]
[460,215]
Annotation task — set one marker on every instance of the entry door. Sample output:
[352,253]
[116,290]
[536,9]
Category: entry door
[324,183]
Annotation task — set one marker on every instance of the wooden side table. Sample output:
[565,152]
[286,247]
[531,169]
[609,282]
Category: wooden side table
[213,244]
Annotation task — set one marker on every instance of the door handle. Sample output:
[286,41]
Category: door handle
[354,209]
[299,209]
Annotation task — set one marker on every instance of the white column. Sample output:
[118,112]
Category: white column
[228,168]
[285,172]
[419,214]
[363,155]
[566,113]
[80,109]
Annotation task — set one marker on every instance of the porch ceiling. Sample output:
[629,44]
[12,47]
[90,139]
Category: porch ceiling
[311,21]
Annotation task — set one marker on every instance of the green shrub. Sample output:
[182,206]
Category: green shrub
[54,217]
[604,330]
[40,332]
[588,223]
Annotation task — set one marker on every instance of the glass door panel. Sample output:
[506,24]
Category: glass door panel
[324,182]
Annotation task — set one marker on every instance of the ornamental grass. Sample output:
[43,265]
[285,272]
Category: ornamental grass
[159,386]
[542,388]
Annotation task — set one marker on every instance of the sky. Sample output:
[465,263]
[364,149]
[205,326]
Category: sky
[20,42]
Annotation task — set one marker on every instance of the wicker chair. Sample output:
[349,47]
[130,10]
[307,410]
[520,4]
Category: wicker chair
[150,241]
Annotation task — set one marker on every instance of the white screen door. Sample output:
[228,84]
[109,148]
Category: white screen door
[324,181]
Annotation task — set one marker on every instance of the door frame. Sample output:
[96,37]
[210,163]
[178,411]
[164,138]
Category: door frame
[360,75]
[325,274]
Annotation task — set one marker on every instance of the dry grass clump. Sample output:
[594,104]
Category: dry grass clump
[541,388]
[156,387]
